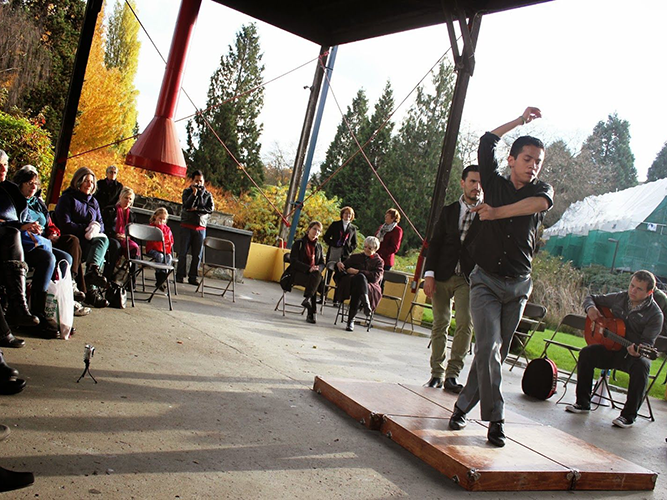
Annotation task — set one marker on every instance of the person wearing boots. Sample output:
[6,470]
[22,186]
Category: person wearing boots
[306,264]
[24,178]
[9,382]
[13,268]
[360,281]
[78,213]
[10,480]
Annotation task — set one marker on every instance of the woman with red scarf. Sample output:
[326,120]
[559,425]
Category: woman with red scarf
[306,264]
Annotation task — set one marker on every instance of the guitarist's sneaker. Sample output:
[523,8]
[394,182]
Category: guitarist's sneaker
[577,408]
[622,422]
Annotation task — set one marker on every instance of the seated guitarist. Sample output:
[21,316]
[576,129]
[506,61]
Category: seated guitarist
[643,322]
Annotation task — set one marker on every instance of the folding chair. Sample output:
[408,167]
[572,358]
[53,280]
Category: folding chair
[282,302]
[144,233]
[531,321]
[335,254]
[401,279]
[574,321]
[602,386]
[227,251]
[416,303]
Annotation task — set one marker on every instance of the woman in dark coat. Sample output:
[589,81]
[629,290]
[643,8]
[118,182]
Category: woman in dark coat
[78,213]
[306,264]
[361,280]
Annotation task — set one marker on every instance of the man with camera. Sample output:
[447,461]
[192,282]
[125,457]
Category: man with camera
[197,207]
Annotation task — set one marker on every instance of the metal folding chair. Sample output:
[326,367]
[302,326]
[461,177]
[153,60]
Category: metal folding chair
[416,303]
[335,254]
[573,321]
[531,321]
[401,279]
[226,251]
[144,233]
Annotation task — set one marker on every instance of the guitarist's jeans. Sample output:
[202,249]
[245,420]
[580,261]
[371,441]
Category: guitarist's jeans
[598,356]
[496,305]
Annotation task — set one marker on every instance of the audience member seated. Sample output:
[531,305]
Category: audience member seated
[154,248]
[27,179]
[108,190]
[359,280]
[305,269]
[13,269]
[341,234]
[78,213]
[116,217]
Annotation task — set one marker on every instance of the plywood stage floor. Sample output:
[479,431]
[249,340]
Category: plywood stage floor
[535,457]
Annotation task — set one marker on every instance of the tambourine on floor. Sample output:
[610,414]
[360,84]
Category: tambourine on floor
[417,418]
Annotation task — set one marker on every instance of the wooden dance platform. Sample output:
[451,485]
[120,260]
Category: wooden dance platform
[535,457]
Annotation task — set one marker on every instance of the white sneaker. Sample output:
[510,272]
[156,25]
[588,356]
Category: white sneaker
[622,422]
[80,309]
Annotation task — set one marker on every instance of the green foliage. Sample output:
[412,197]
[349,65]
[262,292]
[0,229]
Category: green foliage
[352,183]
[26,143]
[608,150]
[59,24]
[658,169]
[600,280]
[233,119]
[416,155]
[558,286]
[253,213]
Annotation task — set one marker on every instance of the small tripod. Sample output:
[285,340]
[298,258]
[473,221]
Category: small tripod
[88,352]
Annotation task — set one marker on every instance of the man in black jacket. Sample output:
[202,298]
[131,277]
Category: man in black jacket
[643,320]
[108,190]
[448,265]
[196,209]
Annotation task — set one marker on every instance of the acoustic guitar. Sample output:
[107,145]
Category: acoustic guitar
[609,331]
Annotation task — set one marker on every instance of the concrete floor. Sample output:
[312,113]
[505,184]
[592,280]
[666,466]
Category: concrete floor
[213,400]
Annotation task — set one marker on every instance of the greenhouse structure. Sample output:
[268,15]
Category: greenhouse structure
[625,230]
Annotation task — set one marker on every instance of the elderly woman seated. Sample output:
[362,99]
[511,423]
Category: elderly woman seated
[362,273]
[306,264]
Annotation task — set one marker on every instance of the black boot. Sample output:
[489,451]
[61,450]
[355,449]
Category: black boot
[8,340]
[351,313]
[48,327]
[94,277]
[10,480]
[366,304]
[14,273]
[6,371]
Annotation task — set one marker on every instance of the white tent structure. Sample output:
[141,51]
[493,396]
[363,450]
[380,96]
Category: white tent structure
[626,229]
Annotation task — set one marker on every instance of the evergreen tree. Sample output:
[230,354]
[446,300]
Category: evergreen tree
[416,152]
[658,168]
[234,120]
[608,149]
[351,184]
[122,52]
[59,24]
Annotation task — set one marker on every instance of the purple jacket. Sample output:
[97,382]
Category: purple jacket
[75,210]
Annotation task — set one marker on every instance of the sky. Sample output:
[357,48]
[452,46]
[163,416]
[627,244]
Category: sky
[578,61]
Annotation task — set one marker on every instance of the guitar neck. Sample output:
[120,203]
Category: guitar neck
[617,338]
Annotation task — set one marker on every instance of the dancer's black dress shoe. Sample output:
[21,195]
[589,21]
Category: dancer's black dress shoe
[435,382]
[10,480]
[7,372]
[458,419]
[10,341]
[11,387]
[452,385]
[496,433]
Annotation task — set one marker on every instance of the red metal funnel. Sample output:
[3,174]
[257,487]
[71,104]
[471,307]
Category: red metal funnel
[157,148]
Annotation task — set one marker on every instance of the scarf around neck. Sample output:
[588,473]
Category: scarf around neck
[384,229]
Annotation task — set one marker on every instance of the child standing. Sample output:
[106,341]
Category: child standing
[154,248]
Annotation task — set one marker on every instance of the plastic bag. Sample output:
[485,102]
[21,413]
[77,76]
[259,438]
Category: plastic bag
[60,300]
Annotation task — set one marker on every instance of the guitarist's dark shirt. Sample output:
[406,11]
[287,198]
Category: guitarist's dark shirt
[642,325]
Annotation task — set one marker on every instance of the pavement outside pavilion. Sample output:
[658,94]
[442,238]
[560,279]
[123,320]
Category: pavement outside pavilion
[214,400]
